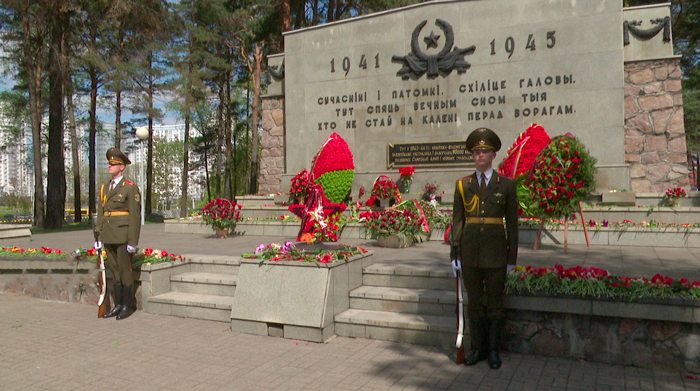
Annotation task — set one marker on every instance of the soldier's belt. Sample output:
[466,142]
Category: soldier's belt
[117,213]
[485,220]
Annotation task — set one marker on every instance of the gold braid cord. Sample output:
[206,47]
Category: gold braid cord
[103,197]
[471,205]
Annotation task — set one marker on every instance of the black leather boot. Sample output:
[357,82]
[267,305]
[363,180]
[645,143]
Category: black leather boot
[118,293]
[477,331]
[128,300]
[495,327]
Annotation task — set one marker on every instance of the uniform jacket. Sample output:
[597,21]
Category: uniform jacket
[119,229]
[486,245]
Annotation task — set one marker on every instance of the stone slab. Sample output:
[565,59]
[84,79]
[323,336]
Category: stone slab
[306,295]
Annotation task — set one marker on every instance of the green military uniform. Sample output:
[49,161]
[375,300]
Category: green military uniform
[484,246]
[119,225]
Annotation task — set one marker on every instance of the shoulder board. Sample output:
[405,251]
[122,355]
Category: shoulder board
[129,182]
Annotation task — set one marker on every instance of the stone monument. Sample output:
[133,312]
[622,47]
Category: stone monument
[406,86]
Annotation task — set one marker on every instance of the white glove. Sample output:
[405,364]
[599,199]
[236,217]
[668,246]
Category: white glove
[510,268]
[130,249]
[456,266]
[98,245]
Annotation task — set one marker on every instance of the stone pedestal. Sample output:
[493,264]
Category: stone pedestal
[293,299]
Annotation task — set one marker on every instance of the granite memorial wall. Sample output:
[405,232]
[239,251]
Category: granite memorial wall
[406,86]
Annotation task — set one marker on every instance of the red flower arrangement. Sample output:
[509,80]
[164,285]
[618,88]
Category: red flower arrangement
[597,282]
[563,174]
[406,220]
[300,184]
[523,152]
[221,213]
[333,168]
[406,172]
[385,188]
[675,193]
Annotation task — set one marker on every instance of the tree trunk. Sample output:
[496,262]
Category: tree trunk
[255,142]
[33,61]
[74,145]
[219,136]
[56,178]
[229,147]
[118,121]
[286,17]
[91,142]
[149,161]
[185,157]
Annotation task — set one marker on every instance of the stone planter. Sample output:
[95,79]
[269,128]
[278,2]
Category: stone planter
[394,241]
[651,332]
[293,299]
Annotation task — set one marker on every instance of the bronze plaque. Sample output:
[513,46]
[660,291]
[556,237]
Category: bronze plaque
[439,154]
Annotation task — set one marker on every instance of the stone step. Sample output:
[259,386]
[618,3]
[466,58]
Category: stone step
[206,283]
[406,277]
[404,300]
[392,326]
[221,264]
[192,305]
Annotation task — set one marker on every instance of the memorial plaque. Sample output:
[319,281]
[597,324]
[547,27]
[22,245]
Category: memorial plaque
[439,154]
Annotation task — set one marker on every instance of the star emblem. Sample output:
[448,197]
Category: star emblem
[431,40]
[318,208]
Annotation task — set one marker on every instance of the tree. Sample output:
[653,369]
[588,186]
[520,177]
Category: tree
[56,178]
[167,162]
[25,32]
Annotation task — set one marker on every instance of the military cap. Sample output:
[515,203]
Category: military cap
[115,156]
[483,138]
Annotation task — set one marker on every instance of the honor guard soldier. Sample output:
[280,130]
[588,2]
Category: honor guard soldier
[485,244]
[119,225]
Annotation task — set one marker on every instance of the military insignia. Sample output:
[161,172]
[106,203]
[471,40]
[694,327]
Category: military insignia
[498,195]
[417,63]
[482,142]
[129,182]
[137,198]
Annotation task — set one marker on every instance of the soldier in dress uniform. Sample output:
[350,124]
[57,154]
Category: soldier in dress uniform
[482,246]
[119,225]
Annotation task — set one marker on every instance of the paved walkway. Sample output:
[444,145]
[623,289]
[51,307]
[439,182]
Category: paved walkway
[47,345]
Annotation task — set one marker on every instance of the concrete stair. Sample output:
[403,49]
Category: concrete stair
[204,290]
[402,305]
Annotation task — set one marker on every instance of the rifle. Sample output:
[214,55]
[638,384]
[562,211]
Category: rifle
[460,320]
[101,303]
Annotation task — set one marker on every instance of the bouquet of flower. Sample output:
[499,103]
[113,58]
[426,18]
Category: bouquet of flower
[673,196]
[385,188]
[406,220]
[221,213]
[406,173]
[16,252]
[329,231]
[300,184]
[563,174]
[150,256]
[290,252]
[521,155]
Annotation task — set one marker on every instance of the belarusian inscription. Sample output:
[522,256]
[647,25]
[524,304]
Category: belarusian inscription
[446,153]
